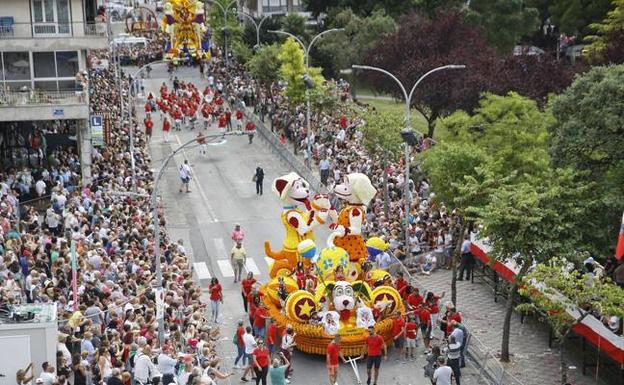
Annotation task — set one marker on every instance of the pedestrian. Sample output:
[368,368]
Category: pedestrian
[432,361]
[374,346]
[398,334]
[466,262]
[261,357]
[250,346]
[185,176]
[238,258]
[240,345]
[259,321]
[332,356]
[460,332]
[277,370]
[148,127]
[287,346]
[411,332]
[216,298]
[203,147]
[324,170]
[238,234]
[443,375]
[166,365]
[239,120]
[259,179]
[250,129]
[453,358]
[228,119]
[246,288]
[165,128]
[425,324]
[272,336]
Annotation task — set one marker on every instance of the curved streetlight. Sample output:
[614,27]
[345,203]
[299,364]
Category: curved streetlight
[408,132]
[306,51]
[257,25]
[224,11]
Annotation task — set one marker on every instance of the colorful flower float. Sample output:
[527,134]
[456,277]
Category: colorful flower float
[184,25]
[328,292]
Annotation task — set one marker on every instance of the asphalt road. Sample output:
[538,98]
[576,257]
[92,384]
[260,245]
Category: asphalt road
[222,194]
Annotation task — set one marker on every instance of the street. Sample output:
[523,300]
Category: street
[223,194]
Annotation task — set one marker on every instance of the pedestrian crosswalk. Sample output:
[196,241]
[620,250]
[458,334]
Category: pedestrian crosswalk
[223,265]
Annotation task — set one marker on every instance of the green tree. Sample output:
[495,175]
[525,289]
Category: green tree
[292,71]
[588,136]
[529,221]
[295,24]
[573,17]
[607,43]
[361,34]
[504,22]
[383,129]
[265,65]
[220,24]
[241,51]
[564,298]
[395,8]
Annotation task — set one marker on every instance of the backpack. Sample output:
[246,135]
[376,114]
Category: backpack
[235,337]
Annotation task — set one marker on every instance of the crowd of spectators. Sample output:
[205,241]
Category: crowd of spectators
[110,335]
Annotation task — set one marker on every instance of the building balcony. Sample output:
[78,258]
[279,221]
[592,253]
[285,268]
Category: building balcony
[52,36]
[282,9]
[43,105]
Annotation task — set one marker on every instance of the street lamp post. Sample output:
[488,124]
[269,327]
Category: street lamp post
[224,10]
[384,163]
[306,51]
[408,133]
[257,25]
[131,127]
[154,208]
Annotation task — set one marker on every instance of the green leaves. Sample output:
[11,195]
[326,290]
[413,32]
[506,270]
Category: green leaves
[588,135]
[292,70]
[265,64]
[383,130]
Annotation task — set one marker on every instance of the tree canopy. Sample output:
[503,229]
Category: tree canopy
[292,71]
[360,36]
[264,65]
[607,42]
[588,136]
[504,22]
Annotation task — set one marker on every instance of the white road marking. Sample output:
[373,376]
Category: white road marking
[226,268]
[201,269]
[220,248]
[250,265]
[269,261]
[211,212]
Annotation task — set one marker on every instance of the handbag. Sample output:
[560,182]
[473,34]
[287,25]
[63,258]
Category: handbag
[254,178]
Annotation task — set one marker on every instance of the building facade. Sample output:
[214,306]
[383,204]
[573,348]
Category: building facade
[44,46]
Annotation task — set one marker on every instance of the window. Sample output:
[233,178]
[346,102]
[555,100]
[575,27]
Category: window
[51,17]
[16,66]
[67,63]
[43,63]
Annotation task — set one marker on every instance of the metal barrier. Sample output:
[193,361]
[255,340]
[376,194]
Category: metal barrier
[284,153]
[28,97]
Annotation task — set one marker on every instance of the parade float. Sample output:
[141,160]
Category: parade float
[184,25]
[325,292]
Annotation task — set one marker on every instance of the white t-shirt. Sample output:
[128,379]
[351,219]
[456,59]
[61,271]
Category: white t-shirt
[442,375]
[185,171]
[250,343]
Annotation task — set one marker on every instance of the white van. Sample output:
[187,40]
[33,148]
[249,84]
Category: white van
[129,40]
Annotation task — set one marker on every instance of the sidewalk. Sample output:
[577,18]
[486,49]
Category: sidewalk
[533,362]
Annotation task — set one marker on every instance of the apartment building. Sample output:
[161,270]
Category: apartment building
[44,45]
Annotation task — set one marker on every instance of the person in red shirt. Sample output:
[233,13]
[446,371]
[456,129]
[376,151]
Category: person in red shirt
[261,357]
[374,346]
[148,127]
[228,119]
[343,121]
[414,299]
[332,356]
[216,297]
[424,315]
[166,127]
[398,332]
[433,302]
[148,108]
[250,129]
[240,345]
[451,315]
[411,332]
[259,323]
[222,123]
[400,284]
[272,336]
[246,285]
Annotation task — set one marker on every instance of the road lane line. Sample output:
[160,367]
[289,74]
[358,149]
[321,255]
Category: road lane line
[220,248]
[226,268]
[201,269]
[250,265]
